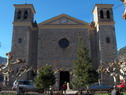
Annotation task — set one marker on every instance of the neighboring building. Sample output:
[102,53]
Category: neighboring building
[55,41]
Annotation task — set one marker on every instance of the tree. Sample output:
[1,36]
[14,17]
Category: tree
[7,69]
[115,70]
[45,77]
[83,72]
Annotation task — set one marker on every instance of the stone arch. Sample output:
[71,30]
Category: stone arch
[25,14]
[19,14]
[108,14]
[101,14]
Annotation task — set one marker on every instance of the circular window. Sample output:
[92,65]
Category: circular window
[63,43]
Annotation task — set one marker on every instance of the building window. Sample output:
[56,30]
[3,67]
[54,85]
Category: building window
[26,14]
[107,40]
[19,14]
[108,14]
[63,43]
[101,14]
[20,40]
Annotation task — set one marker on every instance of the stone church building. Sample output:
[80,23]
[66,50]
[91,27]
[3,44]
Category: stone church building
[55,41]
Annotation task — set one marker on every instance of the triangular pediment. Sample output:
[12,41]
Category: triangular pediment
[63,19]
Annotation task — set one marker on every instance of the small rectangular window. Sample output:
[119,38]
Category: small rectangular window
[20,40]
[107,40]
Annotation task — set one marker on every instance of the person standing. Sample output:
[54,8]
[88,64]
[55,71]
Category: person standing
[115,91]
[68,86]
[64,87]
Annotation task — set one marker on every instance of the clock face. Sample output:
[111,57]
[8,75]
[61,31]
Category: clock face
[64,21]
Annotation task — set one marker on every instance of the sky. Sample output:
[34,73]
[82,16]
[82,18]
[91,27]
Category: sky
[46,9]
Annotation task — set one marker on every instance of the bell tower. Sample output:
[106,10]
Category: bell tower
[106,39]
[24,13]
[23,29]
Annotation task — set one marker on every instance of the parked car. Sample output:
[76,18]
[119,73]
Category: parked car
[1,86]
[23,86]
[100,87]
[122,85]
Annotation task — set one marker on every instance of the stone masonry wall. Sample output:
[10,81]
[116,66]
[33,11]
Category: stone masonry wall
[20,49]
[108,51]
[49,51]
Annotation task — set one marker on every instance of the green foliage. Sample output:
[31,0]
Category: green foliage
[45,77]
[83,71]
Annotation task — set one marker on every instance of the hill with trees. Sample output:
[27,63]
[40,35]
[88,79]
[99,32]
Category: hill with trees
[122,54]
[3,60]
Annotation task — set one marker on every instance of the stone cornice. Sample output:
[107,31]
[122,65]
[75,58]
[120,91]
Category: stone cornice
[92,28]
[62,26]
[103,6]
[25,6]
[22,24]
[35,28]
[63,15]
[104,23]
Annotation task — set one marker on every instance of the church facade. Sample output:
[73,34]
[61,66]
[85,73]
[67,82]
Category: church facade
[55,41]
